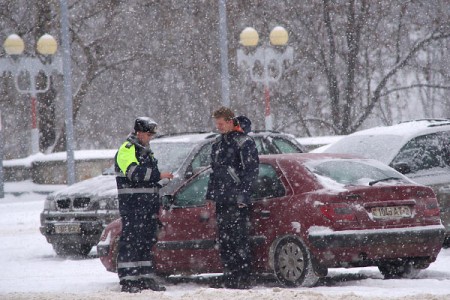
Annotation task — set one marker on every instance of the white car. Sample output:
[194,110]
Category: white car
[314,142]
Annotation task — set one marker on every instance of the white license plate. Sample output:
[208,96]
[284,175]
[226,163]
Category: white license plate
[67,228]
[391,212]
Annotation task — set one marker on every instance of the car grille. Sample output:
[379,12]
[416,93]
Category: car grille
[81,203]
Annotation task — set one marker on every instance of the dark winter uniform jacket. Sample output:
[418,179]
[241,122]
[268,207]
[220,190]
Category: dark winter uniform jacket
[137,176]
[235,163]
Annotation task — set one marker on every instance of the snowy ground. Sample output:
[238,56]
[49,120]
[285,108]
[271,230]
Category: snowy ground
[29,269]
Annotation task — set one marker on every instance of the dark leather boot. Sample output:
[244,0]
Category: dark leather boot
[151,284]
[128,286]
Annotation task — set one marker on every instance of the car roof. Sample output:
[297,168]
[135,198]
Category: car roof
[185,137]
[314,142]
[408,129]
[392,138]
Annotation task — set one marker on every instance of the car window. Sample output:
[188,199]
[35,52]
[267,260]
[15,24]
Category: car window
[425,152]
[203,157]
[353,172]
[268,185]
[260,145]
[193,194]
[171,155]
[285,146]
[446,147]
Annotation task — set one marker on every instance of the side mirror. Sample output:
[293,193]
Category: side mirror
[402,167]
[167,201]
[189,172]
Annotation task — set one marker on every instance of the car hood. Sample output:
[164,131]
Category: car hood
[103,185]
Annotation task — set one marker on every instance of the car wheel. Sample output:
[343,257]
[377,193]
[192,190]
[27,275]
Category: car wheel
[406,269]
[293,264]
[62,249]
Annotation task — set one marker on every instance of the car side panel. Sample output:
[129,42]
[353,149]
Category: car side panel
[186,241]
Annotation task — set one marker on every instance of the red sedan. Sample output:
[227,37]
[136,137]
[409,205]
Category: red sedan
[310,212]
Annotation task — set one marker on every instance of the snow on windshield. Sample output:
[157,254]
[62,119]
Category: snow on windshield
[380,147]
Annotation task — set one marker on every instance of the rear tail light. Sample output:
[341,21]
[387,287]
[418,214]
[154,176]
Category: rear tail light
[338,212]
[431,209]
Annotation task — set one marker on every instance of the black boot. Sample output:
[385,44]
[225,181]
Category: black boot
[217,283]
[151,284]
[230,280]
[241,282]
[129,286]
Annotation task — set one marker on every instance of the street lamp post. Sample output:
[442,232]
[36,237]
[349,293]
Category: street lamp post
[25,71]
[270,59]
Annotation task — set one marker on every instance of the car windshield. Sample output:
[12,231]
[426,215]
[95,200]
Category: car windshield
[379,147]
[353,172]
[170,156]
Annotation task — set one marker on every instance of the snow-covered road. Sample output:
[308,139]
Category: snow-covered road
[29,269]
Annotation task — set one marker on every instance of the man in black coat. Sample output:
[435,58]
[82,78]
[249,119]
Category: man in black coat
[235,163]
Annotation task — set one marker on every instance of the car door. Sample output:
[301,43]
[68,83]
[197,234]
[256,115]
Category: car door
[187,239]
[270,195]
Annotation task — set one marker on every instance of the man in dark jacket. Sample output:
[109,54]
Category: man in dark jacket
[137,184]
[235,162]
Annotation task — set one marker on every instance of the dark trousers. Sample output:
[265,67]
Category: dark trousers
[135,259]
[234,243]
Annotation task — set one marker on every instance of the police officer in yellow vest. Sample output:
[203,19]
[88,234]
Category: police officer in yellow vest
[137,183]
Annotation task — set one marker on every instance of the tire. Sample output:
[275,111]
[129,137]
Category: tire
[405,269]
[293,264]
[62,249]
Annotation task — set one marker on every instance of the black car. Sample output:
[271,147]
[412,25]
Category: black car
[74,218]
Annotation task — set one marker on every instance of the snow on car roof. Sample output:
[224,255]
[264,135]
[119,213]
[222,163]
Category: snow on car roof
[384,142]
[183,138]
[319,140]
[406,129]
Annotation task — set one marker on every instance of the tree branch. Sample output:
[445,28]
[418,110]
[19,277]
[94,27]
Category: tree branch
[417,85]
[376,95]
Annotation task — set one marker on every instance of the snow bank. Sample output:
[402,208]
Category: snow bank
[31,270]
[59,156]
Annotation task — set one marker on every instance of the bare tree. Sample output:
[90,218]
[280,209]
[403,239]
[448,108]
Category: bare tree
[359,54]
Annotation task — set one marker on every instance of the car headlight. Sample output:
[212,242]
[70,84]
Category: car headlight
[49,204]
